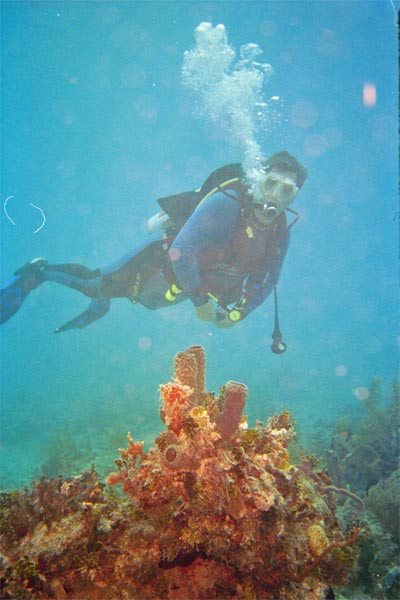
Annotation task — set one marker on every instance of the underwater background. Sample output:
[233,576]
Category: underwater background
[96,125]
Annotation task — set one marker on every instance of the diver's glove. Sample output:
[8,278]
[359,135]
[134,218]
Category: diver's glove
[206,312]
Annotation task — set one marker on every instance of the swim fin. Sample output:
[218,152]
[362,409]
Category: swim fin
[17,288]
[97,308]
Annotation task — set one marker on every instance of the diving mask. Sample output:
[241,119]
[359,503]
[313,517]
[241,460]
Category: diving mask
[276,192]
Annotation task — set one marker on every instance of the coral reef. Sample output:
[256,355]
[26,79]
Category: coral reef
[383,500]
[66,455]
[363,459]
[49,535]
[215,510]
[363,455]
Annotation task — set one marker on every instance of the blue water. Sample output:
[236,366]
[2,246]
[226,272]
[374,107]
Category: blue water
[96,125]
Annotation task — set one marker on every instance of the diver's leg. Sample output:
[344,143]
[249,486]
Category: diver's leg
[77,277]
[157,292]
[97,308]
[124,280]
[36,272]
[75,270]
[128,278]
[17,288]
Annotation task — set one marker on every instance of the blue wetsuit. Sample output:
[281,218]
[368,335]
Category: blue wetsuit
[216,252]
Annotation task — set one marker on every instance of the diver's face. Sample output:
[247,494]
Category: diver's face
[276,192]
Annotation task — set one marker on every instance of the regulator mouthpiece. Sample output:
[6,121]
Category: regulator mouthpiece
[270,211]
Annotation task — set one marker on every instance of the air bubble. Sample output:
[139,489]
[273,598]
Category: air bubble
[229,92]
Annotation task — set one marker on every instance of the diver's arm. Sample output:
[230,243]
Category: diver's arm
[208,230]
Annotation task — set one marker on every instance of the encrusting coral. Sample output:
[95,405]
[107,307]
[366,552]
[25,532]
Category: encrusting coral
[214,510]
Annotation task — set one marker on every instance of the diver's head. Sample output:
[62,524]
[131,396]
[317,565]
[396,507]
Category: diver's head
[284,176]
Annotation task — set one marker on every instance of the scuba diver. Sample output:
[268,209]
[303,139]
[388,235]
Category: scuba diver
[222,247]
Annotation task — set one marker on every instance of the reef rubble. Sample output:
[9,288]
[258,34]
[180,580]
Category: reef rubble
[214,510]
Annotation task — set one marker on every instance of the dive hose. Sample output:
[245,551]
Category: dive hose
[278,346]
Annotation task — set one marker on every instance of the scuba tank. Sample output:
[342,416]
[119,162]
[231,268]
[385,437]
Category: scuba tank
[158,221]
[177,208]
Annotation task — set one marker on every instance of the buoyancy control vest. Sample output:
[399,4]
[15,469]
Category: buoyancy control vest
[176,209]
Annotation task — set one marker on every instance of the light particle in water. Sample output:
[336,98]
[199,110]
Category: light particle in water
[341,370]
[144,343]
[369,95]
[361,393]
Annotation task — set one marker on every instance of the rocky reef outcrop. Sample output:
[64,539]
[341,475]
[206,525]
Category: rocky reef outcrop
[214,510]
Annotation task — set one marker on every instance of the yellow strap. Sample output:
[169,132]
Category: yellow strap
[172,292]
[221,185]
[212,297]
[168,296]
[250,232]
